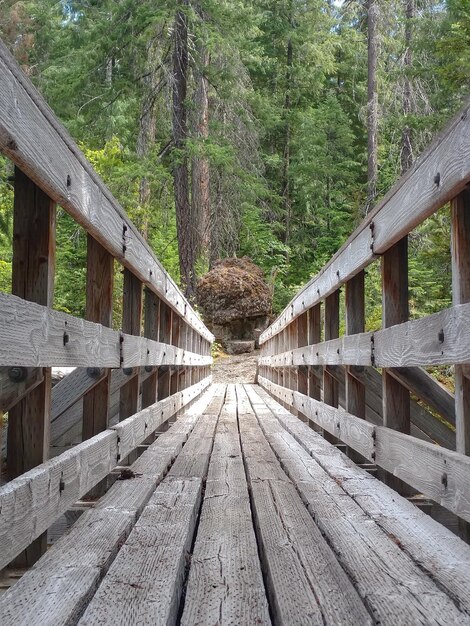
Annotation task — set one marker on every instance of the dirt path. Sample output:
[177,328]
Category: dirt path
[240,368]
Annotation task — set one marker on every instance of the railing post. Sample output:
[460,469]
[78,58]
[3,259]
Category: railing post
[460,209]
[330,384]
[164,372]
[395,310]
[151,331]
[99,308]
[131,324]
[293,338]
[175,340]
[314,337]
[355,323]
[34,222]
[302,373]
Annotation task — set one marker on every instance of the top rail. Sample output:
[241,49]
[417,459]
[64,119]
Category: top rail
[34,139]
[439,175]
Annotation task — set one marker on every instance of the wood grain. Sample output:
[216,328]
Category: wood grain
[225,583]
[440,474]
[305,583]
[369,555]
[59,588]
[32,502]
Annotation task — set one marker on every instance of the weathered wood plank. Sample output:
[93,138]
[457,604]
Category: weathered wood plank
[225,584]
[302,575]
[440,173]
[92,544]
[31,503]
[32,335]
[440,474]
[371,557]
[69,179]
[437,339]
[435,548]
[153,559]
[355,390]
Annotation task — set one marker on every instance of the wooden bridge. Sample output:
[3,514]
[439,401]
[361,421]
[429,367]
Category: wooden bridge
[313,497]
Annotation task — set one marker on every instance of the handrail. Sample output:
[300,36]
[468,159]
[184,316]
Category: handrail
[303,364]
[141,378]
[439,175]
[57,165]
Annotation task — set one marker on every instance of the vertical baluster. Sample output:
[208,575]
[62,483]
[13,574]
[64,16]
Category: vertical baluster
[330,384]
[151,331]
[460,208]
[34,222]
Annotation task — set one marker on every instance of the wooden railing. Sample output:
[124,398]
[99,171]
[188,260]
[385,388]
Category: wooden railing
[306,372]
[153,374]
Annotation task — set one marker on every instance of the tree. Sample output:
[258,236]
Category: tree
[372,102]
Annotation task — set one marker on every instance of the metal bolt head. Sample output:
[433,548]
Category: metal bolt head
[127,371]
[17,374]
[93,372]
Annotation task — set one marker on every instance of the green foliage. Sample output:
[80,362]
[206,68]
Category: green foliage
[287,141]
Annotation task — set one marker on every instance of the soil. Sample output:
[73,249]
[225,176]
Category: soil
[238,368]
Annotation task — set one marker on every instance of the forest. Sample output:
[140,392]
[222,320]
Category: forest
[265,128]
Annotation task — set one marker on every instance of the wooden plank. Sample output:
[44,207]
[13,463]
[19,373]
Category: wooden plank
[439,174]
[303,577]
[33,267]
[437,339]
[154,555]
[367,547]
[347,350]
[225,583]
[32,335]
[427,389]
[52,592]
[435,548]
[440,474]
[68,178]
[131,323]
[33,501]
[153,561]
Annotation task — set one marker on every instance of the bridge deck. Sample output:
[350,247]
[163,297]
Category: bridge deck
[241,514]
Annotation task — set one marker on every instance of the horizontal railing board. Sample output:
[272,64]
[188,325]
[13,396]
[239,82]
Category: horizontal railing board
[32,335]
[350,350]
[439,474]
[30,503]
[438,339]
[28,131]
[440,174]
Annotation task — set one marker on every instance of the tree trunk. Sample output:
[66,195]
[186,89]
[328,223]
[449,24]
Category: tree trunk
[184,223]
[286,192]
[372,103]
[200,196]
[407,138]
[147,124]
